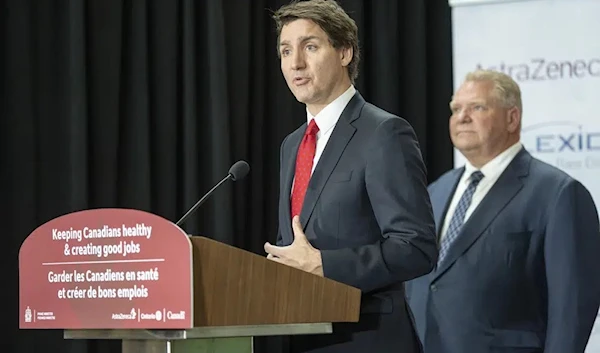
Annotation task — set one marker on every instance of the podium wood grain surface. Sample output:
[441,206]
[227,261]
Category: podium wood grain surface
[237,287]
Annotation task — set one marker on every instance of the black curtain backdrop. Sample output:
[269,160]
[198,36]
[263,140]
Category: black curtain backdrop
[146,104]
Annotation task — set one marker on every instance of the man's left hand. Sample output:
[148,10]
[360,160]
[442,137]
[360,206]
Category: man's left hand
[300,254]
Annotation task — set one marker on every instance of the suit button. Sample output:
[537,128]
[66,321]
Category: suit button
[433,287]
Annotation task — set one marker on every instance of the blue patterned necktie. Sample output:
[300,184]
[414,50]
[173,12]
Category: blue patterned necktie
[458,218]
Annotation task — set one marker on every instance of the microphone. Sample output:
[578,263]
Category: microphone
[238,171]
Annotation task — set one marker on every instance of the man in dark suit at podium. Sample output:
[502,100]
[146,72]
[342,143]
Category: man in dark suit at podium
[520,240]
[355,177]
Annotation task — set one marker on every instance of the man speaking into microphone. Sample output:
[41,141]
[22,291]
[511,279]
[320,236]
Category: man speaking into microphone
[353,198]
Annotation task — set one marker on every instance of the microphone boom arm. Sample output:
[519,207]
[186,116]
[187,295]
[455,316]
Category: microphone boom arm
[201,201]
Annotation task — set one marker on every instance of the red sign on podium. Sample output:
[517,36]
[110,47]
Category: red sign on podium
[105,269]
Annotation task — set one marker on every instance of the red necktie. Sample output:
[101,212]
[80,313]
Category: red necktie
[304,164]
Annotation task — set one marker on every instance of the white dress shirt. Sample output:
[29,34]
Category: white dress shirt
[326,120]
[491,172]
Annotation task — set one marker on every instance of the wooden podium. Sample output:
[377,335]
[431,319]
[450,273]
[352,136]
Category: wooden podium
[208,297]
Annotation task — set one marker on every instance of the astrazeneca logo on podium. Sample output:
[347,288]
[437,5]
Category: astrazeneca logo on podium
[106,268]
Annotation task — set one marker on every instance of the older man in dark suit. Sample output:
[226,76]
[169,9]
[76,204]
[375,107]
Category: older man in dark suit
[520,240]
[354,205]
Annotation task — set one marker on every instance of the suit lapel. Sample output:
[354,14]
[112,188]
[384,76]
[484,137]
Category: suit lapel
[447,191]
[290,169]
[447,197]
[503,191]
[341,135]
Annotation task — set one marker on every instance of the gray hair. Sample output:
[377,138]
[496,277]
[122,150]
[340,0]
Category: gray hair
[507,90]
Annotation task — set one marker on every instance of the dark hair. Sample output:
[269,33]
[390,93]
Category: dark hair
[331,17]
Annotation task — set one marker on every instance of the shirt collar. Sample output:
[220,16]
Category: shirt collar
[328,117]
[496,166]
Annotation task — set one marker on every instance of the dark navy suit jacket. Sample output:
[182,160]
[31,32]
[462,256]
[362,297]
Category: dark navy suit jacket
[367,209]
[523,275]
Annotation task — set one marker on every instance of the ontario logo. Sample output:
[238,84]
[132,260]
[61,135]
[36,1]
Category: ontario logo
[565,144]
[157,315]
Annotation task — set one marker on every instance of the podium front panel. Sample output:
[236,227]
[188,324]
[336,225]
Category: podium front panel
[106,269]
